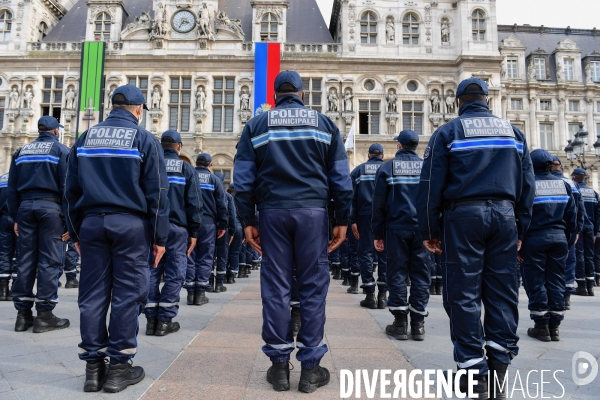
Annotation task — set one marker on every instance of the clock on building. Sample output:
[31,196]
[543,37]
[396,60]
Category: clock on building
[183,21]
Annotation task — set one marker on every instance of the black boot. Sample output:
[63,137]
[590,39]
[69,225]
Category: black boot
[220,288]
[231,279]
[480,390]
[382,299]
[296,320]
[240,272]
[590,287]
[191,298]
[417,330]
[150,326]
[200,298]
[581,289]
[311,379]
[439,287]
[554,334]
[337,273]
[369,301]
[497,376]
[353,289]
[597,279]
[346,281]
[278,376]
[3,291]
[95,376]
[163,328]
[540,331]
[24,320]
[432,288]
[399,329]
[246,268]
[122,375]
[46,322]
[72,284]
[567,301]
[9,296]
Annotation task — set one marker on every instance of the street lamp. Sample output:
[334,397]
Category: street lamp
[569,151]
[597,146]
[576,148]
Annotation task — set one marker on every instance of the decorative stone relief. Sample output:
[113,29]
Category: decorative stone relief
[390,31]
[205,23]
[160,26]
[351,15]
[531,72]
[260,11]
[427,18]
[232,25]
[155,116]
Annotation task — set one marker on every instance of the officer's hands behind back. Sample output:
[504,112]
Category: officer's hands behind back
[253,238]
[433,246]
[339,235]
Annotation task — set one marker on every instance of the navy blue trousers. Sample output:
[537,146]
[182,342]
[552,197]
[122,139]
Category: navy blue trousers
[597,255]
[294,237]
[200,262]
[40,251]
[406,256]
[435,267]
[242,258]
[544,257]
[571,266]
[69,263]
[235,250]
[335,260]
[353,254]
[164,304]
[367,256]
[344,258]
[480,265]
[585,257]
[115,250]
[8,244]
[222,256]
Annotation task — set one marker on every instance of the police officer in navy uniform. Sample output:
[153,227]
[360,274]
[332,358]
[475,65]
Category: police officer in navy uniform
[363,182]
[571,264]
[587,237]
[35,184]
[396,229]
[8,241]
[214,223]
[545,248]
[185,218]
[117,213]
[477,173]
[222,244]
[290,162]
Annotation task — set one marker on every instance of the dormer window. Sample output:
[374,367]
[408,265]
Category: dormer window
[540,68]
[512,68]
[569,73]
[5,25]
[102,27]
[268,28]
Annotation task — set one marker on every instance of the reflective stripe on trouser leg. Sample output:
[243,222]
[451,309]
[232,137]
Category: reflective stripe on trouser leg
[366,253]
[115,256]
[285,243]
[205,249]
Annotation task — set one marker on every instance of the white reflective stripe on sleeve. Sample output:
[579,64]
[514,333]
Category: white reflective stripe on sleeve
[496,346]
[128,351]
[540,313]
[403,308]
[301,345]
[281,346]
[168,304]
[151,305]
[424,313]
[470,363]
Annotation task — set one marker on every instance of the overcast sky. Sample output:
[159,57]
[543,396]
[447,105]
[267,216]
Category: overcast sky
[551,13]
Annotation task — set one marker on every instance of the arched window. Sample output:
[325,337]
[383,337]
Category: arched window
[478,21]
[268,28]
[368,28]
[410,29]
[102,28]
[5,25]
[42,31]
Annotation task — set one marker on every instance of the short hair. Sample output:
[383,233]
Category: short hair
[287,88]
[473,87]
[121,98]
[376,153]
[42,128]
[169,145]
[202,163]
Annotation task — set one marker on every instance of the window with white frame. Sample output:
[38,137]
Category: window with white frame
[573,129]
[5,25]
[102,26]
[268,28]
[545,105]
[410,29]
[2,106]
[598,106]
[546,129]
[42,31]
[519,125]
[569,73]
[52,92]
[223,104]
[368,28]
[595,70]
[368,116]
[141,82]
[597,128]
[516,104]
[540,68]
[478,25]
[313,93]
[574,105]
[412,116]
[511,68]
[180,96]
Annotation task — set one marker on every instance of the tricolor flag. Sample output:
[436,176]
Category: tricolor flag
[267,60]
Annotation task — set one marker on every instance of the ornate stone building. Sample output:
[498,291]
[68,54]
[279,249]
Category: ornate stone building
[382,65]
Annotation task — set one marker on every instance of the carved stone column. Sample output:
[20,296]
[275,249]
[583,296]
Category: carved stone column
[591,125]
[504,106]
[155,115]
[11,116]
[26,115]
[348,117]
[534,138]
[562,138]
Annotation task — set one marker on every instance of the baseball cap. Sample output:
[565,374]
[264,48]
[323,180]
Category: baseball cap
[49,122]
[170,136]
[556,159]
[220,176]
[291,77]
[579,171]
[408,138]
[205,157]
[540,158]
[133,96]
[462,87]
[376,148]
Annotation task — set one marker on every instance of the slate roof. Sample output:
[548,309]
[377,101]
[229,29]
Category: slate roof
[305,23]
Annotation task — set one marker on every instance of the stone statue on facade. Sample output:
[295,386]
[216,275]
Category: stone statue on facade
[200,99]
[503,69]
[450,102]
[332,101]
[348,97]
[531,73]
[70,99]
[435,102]
[155,98]
[445,32]
[390,31]
[205,21]
[160,26]
[143,19]
[392,99]
[28,98]
[560,73]
[588,73]
[110,95]
[13,102]
[234,25]
[245,101]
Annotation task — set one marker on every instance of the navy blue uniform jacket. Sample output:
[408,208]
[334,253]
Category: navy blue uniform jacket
[3,194]
[395,197]
[184,193]
[214,209]
[231,214]
[476,157]
[591,202]
[363,185]
[37,171]
[291,157]
[118,167]
[581,217]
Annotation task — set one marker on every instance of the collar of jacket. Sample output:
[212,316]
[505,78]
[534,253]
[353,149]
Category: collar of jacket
[119,113]
[201,168]
[48,135]
[402,152]
[170,153]
[558,173]
[542,173]
[475,106]
[288,99]
[375,159]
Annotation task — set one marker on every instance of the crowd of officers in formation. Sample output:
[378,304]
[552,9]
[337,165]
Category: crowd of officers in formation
[470,220]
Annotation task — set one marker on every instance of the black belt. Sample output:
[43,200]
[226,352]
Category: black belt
[54,199]
[500,203]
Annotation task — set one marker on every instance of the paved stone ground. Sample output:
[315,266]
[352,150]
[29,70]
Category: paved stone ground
[224,360]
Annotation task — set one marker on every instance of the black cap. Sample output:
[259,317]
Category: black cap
[290,77]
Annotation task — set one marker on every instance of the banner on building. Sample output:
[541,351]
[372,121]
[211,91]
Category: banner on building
[91,85]
[267,61]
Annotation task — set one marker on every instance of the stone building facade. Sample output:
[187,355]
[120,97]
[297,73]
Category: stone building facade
[380,67]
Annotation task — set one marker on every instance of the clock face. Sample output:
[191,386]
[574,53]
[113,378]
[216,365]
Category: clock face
[183,21]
